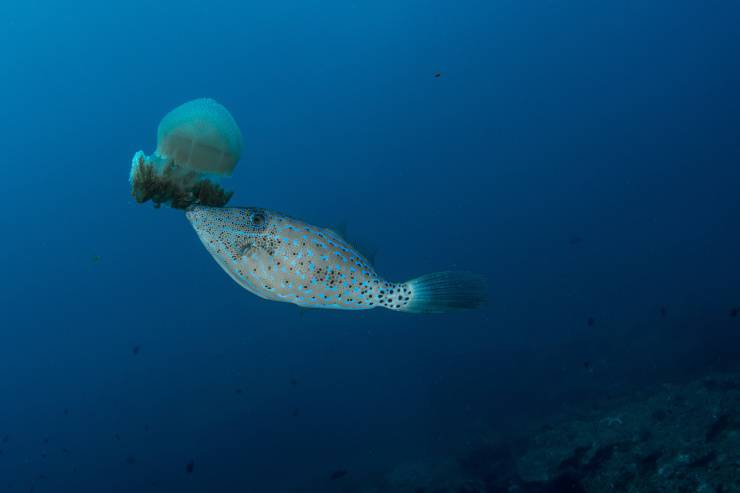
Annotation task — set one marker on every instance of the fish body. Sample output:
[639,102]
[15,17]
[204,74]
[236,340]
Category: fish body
[281,258]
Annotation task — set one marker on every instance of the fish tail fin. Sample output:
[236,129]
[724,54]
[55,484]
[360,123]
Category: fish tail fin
[442,292]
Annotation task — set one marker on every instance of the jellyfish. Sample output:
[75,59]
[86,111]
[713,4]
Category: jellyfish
[198,143]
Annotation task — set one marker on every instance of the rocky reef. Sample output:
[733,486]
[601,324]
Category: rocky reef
[675,438]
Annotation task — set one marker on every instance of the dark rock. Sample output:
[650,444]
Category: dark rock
[575,459]
[703,460]
[720,425]
[649,463]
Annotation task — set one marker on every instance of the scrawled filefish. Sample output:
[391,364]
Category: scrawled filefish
[280,258]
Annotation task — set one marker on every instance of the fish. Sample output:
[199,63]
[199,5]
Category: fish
[190,466]
[338,474]
[280,258]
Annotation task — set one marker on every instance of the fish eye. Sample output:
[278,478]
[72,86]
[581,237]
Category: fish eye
[258,219]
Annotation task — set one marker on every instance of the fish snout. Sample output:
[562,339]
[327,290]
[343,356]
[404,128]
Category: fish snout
[195,213]
[190,211]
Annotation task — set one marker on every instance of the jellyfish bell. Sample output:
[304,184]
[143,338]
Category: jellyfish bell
[197,143]
[202,136]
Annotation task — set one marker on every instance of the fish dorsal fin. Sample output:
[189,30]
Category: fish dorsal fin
[370,256]
[340,232]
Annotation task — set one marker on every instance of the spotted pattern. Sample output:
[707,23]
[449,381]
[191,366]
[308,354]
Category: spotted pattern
[281,258]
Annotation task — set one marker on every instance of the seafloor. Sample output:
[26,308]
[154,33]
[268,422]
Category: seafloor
[673,438]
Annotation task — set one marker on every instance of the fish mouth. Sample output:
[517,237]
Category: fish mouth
[192,211]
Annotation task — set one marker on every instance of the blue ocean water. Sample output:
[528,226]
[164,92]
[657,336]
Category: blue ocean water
[583,156]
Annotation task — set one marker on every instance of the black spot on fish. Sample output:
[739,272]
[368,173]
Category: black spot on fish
[190,466]
[591,321]
[130,460]
[295,412]
[117,437]
[293,382]
[338,474]
[238,391]
[437,75]
[734,312]
[574,239]
[136,349]
[663,311]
